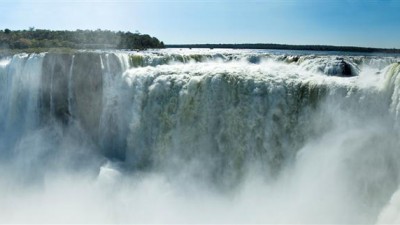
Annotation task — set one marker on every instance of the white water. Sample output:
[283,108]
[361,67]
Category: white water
[196,136]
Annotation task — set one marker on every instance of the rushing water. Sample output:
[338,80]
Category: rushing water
[209,136]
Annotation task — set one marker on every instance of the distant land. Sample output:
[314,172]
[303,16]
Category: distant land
[289,47]
[36,39]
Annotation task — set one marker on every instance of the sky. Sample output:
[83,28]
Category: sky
[367,23]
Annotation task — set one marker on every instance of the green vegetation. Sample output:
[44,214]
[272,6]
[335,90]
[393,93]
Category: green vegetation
[136,60]
[79,39]
[9,52]
[290,47]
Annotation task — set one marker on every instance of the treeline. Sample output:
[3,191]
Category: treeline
[79,39]
[290,47]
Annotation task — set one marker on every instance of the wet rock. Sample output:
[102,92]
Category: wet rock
[331,66]
[292,59]
[54,89]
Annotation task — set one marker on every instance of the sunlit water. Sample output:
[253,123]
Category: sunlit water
[200,136]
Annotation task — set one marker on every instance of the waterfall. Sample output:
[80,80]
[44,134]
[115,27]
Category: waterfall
[20,84]
[392,85]
[309,138]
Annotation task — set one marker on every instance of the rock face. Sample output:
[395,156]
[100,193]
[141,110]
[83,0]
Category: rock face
[71,87]
[54,88]
[346,69]
[342,68]
[87,90]
[330,66]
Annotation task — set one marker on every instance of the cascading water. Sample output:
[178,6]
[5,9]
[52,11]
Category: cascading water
[199,136]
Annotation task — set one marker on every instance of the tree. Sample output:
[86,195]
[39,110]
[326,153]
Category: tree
[86,39]
[23,43]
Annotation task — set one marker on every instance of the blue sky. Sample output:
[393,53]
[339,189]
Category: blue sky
[374,23]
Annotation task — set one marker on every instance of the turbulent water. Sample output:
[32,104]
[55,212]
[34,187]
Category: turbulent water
[199,136]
